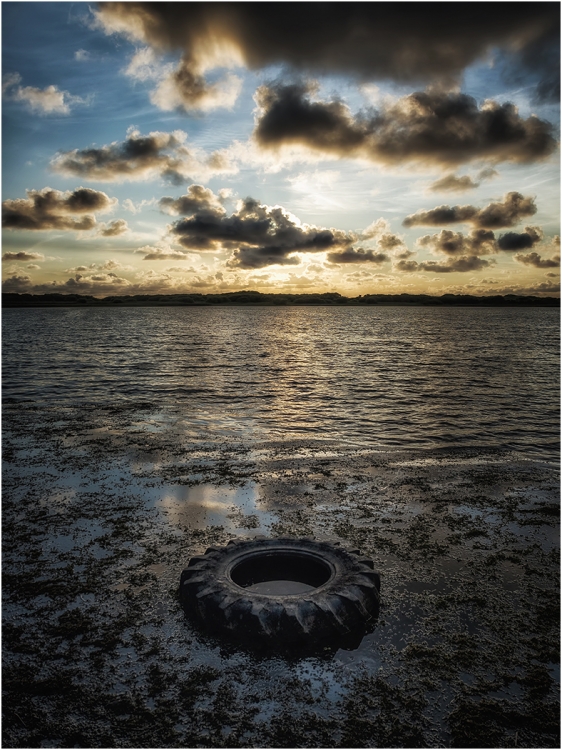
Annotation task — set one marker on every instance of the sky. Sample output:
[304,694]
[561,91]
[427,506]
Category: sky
[359,148]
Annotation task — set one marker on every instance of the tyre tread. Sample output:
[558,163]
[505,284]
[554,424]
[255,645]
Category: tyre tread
[348,602]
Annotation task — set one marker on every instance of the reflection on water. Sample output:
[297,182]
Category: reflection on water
[280,588]
[204,505]
[378,377]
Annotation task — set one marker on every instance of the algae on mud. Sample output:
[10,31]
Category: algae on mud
[102,508]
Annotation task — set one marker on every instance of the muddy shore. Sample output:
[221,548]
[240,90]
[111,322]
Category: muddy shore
[103,507]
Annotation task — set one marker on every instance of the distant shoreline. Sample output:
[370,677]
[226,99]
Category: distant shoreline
[257,299]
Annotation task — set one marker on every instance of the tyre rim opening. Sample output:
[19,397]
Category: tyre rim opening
[281,572]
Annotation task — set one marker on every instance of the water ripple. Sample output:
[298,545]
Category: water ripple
[377,377]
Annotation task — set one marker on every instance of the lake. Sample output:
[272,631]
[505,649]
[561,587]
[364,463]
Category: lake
[391,377]
[135,439]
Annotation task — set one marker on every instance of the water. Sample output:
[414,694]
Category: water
[382,378]
[280,588]
[209,424]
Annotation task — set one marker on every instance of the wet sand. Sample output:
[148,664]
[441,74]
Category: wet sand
[102,508]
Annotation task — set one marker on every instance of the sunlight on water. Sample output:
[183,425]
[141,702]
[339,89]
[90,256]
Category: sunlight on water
[384,378]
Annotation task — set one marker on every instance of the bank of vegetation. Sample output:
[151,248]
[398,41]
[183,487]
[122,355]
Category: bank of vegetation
[260,299]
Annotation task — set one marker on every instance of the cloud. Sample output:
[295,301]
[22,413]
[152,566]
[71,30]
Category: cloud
[375,229]
[9,80]
[488,173]
[462,264]
[452,183]
[128,205]
[196,199]
[52,209]
[357,255]
[259,235]
[544,287]
[109,265]
[464,251]
[182,87]
[390,241]
[406,45]
[17,283]
[403,254]
[141,157]
[425,127]
[98,280]
[535,260]
[539,57]
[179,269]
[97,284]
[386,240]
[523,241]
[22,255]
[163,253]
[145,66]
[136,208]
[455,244]
[502,214]
[114,228]
[47,101]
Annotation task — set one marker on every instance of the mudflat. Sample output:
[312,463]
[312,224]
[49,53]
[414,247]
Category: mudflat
[103,507]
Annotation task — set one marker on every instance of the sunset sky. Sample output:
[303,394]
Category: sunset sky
[296,147]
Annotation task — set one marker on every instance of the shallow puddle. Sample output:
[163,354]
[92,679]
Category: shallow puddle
[206,505]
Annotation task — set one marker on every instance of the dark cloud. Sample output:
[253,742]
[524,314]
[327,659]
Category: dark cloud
[52,209]
[22,255]
[545,287]
[506,213]
[101,284]
[455,244]
[537,64]
[404,42]
[452,265]
[441,215]
[404,254]
[357,255]
[136,156]
[535,260]
[115,228]
[523,241]
[259,235]
[427,127]
[487,173]
[16,283]
[159,253]
[186,89]
[389,241]
[191,87]
[196,199]
[287,115]
[140,157]
[407,266]
[452,183]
